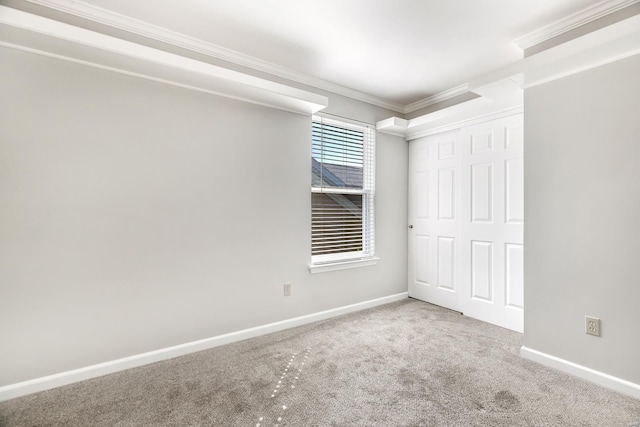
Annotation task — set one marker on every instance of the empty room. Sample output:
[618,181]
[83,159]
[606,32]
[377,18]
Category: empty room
[340,213]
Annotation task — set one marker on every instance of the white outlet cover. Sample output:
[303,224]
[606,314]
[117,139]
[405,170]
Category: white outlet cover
[592,326]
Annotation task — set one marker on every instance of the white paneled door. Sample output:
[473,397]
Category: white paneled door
[434,246]
[466,221]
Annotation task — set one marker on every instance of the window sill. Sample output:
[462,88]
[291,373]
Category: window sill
[342,265]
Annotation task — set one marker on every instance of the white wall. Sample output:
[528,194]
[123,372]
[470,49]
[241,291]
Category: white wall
[582,210]
[136,216]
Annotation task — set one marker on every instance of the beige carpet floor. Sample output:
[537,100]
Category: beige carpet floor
[403,364]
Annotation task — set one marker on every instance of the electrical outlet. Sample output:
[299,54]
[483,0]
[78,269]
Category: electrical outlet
[592,325]
[287,289]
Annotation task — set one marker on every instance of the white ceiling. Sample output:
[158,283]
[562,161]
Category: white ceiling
[399,51]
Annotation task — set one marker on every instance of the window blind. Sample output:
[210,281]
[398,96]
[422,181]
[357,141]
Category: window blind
[342,190]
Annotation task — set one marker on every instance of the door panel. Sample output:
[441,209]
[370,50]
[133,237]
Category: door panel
[446,194]
[482,270]
[514,262]
[446,263]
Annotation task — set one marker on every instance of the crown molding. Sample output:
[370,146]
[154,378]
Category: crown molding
[501,91]
[135,26]
[492,114]
[575,20]
[464,114]
[605,45]
[115,20]
[43,36]
[438,97]
[154,32]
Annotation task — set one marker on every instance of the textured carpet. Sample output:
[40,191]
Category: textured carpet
[402,364]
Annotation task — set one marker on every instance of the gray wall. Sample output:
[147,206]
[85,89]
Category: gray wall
[582,209]
[136,216]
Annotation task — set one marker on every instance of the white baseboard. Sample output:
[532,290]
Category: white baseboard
[52,381]
[605,380]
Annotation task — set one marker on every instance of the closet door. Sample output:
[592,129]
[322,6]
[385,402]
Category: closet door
[466,213]
[492,219]
[434,189]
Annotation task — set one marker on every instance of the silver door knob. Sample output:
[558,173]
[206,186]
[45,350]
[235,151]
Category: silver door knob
[410,225]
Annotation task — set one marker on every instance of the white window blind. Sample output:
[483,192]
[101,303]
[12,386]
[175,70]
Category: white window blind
[342,191]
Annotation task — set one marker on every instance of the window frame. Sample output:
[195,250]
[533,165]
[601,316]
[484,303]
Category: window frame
[365,256]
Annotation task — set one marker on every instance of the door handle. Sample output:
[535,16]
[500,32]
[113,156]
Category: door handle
[410,225]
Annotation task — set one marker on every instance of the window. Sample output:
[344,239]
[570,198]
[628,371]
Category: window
[342,191]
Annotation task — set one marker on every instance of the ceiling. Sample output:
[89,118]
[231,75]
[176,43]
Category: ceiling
[398,51]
